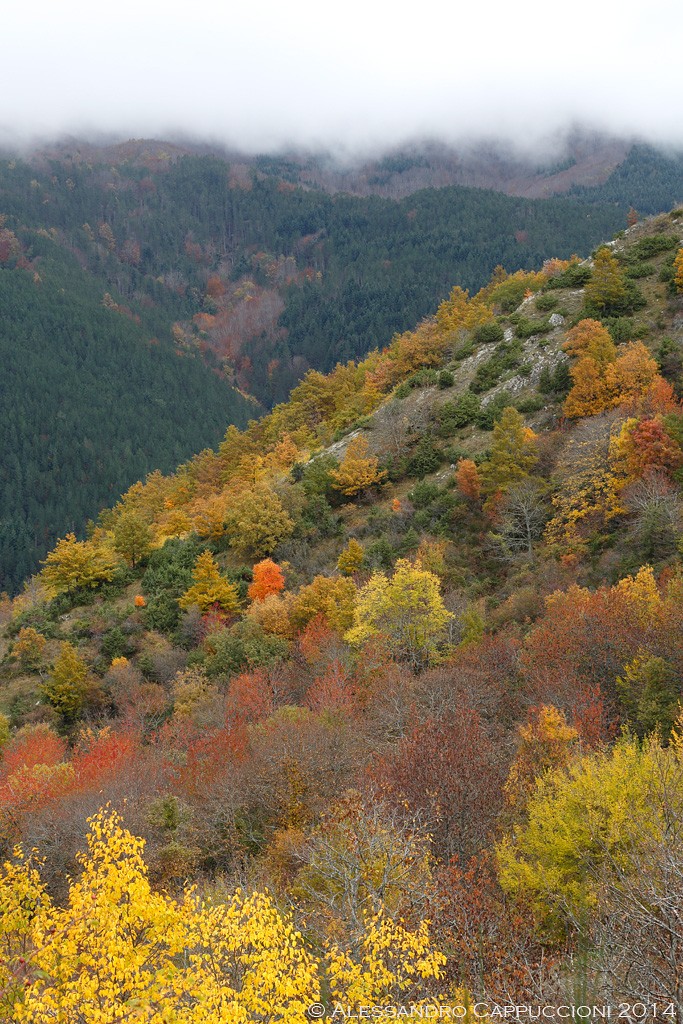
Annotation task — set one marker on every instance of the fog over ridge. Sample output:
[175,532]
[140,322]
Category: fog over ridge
[355,80]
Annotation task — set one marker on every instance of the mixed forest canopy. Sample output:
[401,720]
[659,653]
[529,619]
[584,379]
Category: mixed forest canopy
[138,293]
[378,702]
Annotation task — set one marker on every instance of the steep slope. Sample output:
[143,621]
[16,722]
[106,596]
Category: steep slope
[168,235]
[89,400]
[426,615]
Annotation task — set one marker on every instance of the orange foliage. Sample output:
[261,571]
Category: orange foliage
[267,579]
[32,745]
[467,479]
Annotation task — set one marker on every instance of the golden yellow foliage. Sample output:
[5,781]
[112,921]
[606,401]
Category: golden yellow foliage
[357,471]
[73,564]
[209,587]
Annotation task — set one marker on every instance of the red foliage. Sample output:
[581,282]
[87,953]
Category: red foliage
[104,757]
[491,944]
[467,479]
[451,772]
[652,449]
[334,691]
[33,745]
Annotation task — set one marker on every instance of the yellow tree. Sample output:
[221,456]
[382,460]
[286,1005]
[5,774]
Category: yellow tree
[331,596]
[29,647]
[257,521]
[590,394]
[119,951]
[406,608]
[66,686]
[132,536]
[591,338]
[209,587]
[678,271]
[606,288]
[631,375]
[513,452]
[390,966]
[351,558]
[357,471]
[74,563]
[546,741]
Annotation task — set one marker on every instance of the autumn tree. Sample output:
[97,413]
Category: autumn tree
[357,471]
[209,587]
[209,517]
[606,288]
[467,479]
[66,686]
[521,515]
[406,608]
[650,691]
[29,647]
[546,741]
[351,558]
[644,447]
[591,339]
[678,271]
[268,579]
[132,537]
[257,521]
[364,858]
[599,857]
[333,597]
[391,966]
[448,772]
[73,564]
[589,394]
[514,452]
[118,944]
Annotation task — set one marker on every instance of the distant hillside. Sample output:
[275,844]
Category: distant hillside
[89,400]
[105,248]
[270,277]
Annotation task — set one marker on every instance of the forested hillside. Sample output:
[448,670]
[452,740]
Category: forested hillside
[393,678]
[90,400]
[134,293]
[274,278]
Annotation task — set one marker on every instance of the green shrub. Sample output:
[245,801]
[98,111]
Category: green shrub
[424,493]
[653,245]
[530,405]
[555,381]
[243,646]
[446,379]
[545,302]
[489,332]
[575,276]
[621,328]
[639,269]
[458,413]
[425,459]
[489,414]
[526,327]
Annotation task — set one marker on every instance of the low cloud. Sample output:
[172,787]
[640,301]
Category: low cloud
[353,78]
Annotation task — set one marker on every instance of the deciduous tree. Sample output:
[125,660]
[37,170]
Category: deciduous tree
[357,471]
[209,587]
[406,608]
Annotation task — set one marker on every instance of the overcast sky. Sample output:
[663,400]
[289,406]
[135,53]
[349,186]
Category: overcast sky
[357,74]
